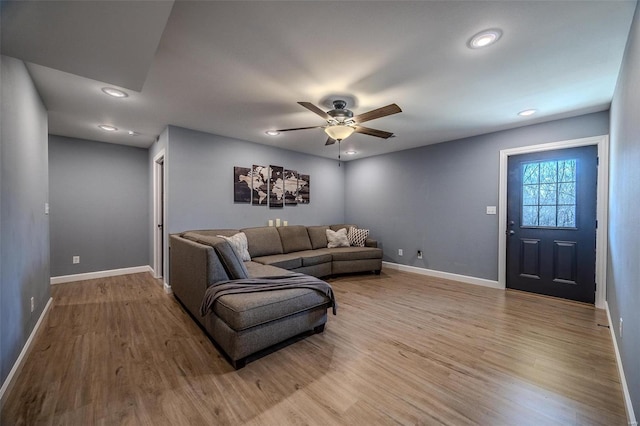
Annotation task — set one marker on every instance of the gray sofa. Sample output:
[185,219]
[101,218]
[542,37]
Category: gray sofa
[243,324]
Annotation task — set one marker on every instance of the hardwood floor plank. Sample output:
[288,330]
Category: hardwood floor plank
[403,349]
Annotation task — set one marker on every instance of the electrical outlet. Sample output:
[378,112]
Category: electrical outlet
[400,252]
[620,327]
[76,259]
[33,304]
[419,254]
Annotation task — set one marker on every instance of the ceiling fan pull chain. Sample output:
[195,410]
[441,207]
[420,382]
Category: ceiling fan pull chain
[339,152]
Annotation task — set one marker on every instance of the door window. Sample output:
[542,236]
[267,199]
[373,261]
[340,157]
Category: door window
[549,194]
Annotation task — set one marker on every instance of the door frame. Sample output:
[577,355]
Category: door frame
[159,253]
[601,214]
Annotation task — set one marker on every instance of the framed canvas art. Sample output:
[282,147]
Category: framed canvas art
[259,185]
[241,184]
[276,186]
[290,187]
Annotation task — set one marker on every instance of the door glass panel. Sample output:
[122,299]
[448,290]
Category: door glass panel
[549,194]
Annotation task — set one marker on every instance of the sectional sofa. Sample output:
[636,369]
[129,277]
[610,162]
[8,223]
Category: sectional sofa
[243,324]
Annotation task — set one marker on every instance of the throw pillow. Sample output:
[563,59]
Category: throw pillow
[240,245]
[337,238]
[357,237]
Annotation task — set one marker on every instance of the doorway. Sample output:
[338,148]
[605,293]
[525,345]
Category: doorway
[551,223]
[602,144]
[159,216]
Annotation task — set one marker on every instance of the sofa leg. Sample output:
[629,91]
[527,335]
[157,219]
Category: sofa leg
[377,272]
[319,329]
[239,363]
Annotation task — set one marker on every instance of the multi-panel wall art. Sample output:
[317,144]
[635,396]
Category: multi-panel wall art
[274,186]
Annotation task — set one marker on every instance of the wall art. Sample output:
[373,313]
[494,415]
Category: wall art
[290,187]
[260,185]
[276,186]
[304,189]
[241,185]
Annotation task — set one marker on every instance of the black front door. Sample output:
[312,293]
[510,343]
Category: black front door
[551,223]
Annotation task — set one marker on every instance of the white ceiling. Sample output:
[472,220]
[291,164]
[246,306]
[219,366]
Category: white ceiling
[237,68]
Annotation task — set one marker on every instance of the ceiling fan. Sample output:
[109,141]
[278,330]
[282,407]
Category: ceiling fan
[341,123]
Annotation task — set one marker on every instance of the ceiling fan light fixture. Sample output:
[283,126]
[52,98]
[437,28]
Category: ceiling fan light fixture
[351,152]
[272,132]
[485,38]
[339,132]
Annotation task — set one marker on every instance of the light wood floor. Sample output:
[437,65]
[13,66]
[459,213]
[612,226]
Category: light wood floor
[403,349]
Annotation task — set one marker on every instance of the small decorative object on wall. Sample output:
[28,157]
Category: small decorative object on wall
[260,180]
[276,186]
[241,185]
[304,182]
[290,187]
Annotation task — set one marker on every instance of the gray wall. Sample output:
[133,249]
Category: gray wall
[623,267]
[434,198]
[24,247]
[200,187]
[99,206]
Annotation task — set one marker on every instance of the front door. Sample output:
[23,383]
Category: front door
[551,223]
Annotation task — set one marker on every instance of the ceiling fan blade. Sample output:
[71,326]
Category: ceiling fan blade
[297,128]
[330,141]
[377,113]
[373,132]
[311,107]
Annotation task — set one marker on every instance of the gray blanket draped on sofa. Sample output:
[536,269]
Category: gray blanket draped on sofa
[252,285]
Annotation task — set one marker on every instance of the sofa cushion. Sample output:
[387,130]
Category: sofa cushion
[246,310]
[357,237]
[285,261]
[258,270]
[294,238]
[314,257]
[213,232]
[263,241]
[353,253]
[232,264]
[240,245]
[337,238]
[318,236]
[338,227]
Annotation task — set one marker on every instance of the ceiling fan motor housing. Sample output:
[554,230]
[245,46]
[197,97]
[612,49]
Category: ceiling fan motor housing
[340,113]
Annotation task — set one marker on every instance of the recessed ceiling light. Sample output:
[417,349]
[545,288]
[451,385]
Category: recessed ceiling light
[484,38]
[527,112]
[114,92]
[132,133]
[108,128]
[272,132]
[351,152]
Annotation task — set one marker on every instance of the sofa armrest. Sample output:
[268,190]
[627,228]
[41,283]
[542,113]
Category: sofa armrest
[192,268]
[371,243]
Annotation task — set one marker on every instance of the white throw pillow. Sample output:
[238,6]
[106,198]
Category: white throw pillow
[240,245]
[337,238]
[357,237]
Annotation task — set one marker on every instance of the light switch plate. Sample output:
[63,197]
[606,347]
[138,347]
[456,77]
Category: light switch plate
[491,209]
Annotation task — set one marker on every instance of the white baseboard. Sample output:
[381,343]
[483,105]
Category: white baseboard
[17,366]
[100,274]
[631,417]
[445,275]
